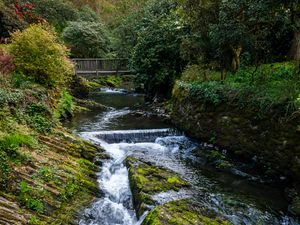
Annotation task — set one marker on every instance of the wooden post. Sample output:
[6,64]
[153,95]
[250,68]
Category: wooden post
[97,68]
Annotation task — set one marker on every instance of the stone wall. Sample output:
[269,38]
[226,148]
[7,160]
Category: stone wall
[271,144]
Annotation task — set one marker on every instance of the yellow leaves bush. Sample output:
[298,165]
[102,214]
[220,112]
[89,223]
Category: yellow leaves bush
[38,54]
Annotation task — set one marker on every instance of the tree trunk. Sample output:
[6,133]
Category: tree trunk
[295,48]
[236,61]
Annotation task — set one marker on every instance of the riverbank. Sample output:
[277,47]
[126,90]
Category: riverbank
[52,183]
[47,172]
[268,145]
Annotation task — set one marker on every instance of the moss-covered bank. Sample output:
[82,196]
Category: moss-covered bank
[55,181]
[271,144]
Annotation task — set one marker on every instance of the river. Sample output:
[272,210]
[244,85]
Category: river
[122,130]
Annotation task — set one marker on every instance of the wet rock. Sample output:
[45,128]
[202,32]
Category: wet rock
[147,180]
[90,104]
[183,212]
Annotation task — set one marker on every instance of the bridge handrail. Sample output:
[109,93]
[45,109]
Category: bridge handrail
[75,59]
[101,65]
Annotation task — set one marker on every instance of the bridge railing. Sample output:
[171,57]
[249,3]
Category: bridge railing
[86,66]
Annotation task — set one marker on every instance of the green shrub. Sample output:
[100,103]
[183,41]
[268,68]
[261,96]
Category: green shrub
[40,123]
[11,97]
[57,12]
[28,200]
[38,117]
[9,19]
[212,92]
[65,107]
[156,56]
[18,79]
[39,55]
[37,108]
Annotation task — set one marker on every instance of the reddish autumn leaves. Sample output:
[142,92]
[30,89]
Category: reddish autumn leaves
[25,11]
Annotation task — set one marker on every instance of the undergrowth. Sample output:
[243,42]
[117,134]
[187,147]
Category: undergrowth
[267,89]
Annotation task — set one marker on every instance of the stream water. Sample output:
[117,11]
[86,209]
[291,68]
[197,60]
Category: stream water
[121,131]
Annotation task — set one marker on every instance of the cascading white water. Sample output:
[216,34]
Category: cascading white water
[115,207]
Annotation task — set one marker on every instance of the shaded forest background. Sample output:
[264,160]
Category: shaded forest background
[215,46]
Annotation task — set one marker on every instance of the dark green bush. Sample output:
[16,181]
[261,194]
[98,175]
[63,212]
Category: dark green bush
[9,19]
[210,92]
[18,79]
[37,108]
[57,12]
[156,56]
[38,116]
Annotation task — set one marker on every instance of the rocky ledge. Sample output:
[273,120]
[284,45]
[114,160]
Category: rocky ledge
[147,181]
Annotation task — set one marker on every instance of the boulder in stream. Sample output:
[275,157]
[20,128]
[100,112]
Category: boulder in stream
[183,212]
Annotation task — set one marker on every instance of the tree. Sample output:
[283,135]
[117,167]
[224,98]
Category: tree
[57,12]
[156,56]
[227,29]
[86,39]
[88,15]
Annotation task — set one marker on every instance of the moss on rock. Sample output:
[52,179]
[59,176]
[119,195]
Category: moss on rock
[183,212]
[147,180]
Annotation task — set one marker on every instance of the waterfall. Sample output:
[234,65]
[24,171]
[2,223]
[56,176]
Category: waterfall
[134,136]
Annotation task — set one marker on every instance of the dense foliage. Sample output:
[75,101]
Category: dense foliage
[38,55]
[86,39]
[226,31]
[156,56]
[57,13]
[216,39]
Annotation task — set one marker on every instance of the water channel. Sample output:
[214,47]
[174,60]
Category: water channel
[123,130]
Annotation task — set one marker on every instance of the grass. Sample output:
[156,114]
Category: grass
[10,143]
[267,89]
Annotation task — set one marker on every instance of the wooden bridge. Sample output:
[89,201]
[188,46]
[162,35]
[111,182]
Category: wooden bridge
[94,67]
